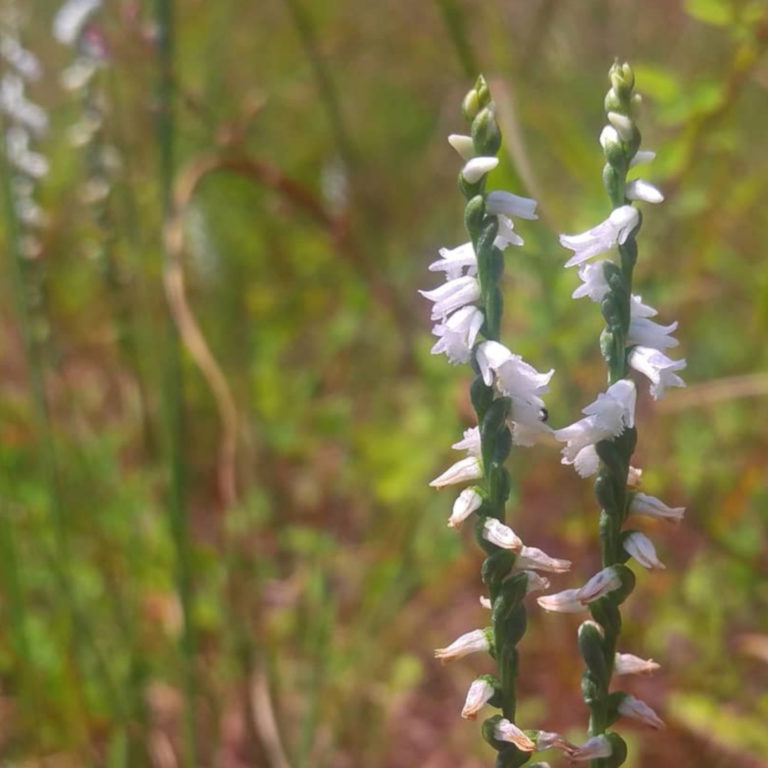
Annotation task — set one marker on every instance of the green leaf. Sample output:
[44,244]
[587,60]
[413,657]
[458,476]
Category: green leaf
[718,13]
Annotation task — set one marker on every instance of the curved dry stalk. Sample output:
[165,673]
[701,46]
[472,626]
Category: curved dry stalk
[176,293]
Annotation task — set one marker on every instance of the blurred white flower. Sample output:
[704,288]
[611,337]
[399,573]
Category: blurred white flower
[71,18]
[627,664]
[639,710]
[650,506]
[639,546]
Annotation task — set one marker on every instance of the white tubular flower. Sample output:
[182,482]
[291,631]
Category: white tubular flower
[514,377]
[566,601]
[659,369]
[650,506]
[470,442]
[452,295]
[463,145]
[608,416]
[457,334]
[587,462]
[622,124]
[467,502]
[471,642]
[501,535]
[480,693]
[503,203]
[454,261]
[71,19]
[599,585]
[641,157]
[638,189]
[534,559]
[485,602]
[592,749]
[469,468]
[639,710]
[646,333]
[593,281]
[628,664]
[639,546]
[477,167]
[615,229]
[506,234]
[508,731]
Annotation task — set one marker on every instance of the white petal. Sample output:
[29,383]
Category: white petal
[477,167]
[639,546]
[463,145]
[460,472]
[643,190]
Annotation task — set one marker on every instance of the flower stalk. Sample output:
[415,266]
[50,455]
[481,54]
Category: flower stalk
[506,397]
[602,444]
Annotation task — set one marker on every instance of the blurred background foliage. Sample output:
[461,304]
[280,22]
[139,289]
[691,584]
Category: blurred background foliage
[312,184]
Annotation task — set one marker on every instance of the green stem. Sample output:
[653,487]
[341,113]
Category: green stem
[173,388]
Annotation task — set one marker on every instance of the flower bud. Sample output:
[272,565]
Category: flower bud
[623,125]
[486,135]
[471,105]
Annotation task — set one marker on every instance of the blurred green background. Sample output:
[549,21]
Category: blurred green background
[311,184]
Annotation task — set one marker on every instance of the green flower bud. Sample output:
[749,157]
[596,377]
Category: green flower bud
[470,106]
[590,641]
[474,213]
[486,135]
